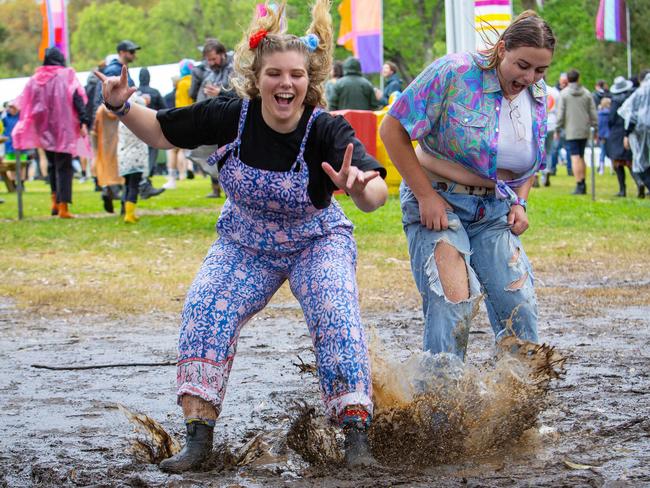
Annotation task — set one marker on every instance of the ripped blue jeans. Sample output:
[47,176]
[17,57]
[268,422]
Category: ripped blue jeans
[497,268]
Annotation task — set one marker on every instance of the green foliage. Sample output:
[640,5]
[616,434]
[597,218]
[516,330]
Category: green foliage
[176,28]
[19,49]
[100,28]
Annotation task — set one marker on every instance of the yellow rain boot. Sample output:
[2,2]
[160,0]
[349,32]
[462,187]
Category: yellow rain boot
[129,213]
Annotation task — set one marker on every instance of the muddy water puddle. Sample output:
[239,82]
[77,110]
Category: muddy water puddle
[63,428]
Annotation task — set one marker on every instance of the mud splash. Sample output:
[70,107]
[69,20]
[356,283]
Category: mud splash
[433,409]
[153,443]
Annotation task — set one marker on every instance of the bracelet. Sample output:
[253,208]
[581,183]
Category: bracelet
[520,201]
[119,111]
[112,108]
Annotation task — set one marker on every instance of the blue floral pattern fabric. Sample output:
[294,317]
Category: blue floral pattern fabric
[452,110]
[269,232]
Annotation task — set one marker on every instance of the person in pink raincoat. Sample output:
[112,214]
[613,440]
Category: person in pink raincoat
[52,117]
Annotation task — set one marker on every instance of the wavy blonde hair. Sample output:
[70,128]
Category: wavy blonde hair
[527,30]
[248,62]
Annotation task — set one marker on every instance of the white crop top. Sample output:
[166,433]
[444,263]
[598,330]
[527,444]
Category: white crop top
[516,148]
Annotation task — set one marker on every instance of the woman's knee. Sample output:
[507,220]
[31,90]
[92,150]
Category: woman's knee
[452,272]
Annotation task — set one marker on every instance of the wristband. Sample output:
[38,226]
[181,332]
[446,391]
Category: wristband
[520,201]
[112,108]
[119,111]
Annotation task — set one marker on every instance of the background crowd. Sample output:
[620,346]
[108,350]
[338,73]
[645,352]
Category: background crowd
[572,112]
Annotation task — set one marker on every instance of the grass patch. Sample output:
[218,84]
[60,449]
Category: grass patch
[98,263]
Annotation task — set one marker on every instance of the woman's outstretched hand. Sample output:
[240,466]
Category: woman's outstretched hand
[350,179]
[116,89]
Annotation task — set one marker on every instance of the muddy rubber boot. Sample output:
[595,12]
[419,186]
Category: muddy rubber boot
[357,448]
[197,449]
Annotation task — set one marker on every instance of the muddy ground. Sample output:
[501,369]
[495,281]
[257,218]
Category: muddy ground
[63,428]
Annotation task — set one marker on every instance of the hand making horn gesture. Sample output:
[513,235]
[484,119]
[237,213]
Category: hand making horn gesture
[116,90]
[350,179]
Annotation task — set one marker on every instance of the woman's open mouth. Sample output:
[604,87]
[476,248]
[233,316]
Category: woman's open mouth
[284,98]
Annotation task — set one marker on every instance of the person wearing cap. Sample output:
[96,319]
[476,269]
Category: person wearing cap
[621,157]
[126,53]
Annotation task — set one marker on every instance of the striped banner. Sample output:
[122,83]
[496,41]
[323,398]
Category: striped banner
[491,18]
[610,21]
[55,27]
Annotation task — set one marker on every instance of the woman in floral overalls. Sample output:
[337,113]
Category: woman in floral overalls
[279,223]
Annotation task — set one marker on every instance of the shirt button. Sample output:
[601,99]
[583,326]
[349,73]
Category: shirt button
[497,129]
[498,108]
[466,119]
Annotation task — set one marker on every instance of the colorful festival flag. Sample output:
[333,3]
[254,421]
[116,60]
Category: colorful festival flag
[611,24]
[361,32]
[491,18]
[55,27]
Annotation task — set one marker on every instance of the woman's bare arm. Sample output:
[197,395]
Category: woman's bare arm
[433,208]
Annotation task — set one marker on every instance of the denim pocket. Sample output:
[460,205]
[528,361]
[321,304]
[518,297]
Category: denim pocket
[410,206]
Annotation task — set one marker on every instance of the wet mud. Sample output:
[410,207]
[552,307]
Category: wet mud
[501,421]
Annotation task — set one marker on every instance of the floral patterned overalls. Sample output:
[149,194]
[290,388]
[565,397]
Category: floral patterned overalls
[269,231]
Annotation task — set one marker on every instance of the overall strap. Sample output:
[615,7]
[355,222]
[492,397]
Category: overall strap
[234,145]
[301,154]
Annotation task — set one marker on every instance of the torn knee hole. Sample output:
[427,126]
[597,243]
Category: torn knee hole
[452,272]
[518,284]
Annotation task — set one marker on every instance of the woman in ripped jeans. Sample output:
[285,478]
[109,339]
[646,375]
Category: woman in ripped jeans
[480,121]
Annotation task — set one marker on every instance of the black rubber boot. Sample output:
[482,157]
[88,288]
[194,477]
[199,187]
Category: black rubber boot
[620,176]
[357,448]
[197,449]
[146,189]
[581,188]
[107,198]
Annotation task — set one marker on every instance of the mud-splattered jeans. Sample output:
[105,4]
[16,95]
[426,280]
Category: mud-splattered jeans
[497,267]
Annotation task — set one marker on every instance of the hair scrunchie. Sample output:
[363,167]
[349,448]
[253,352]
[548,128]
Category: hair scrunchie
[311,41]
[255,39]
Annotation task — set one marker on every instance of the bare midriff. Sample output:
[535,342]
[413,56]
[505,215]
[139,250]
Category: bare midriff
[436,168]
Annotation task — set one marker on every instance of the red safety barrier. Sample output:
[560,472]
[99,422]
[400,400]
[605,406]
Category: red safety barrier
[364,123]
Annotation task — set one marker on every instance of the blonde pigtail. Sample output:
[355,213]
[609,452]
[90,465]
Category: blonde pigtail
[320,60]
[264,36]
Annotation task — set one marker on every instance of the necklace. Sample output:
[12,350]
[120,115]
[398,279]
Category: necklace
[515,118]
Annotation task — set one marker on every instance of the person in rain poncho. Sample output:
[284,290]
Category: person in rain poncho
[636,113]
[52,116]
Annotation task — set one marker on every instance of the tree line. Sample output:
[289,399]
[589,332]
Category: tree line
[414,32]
